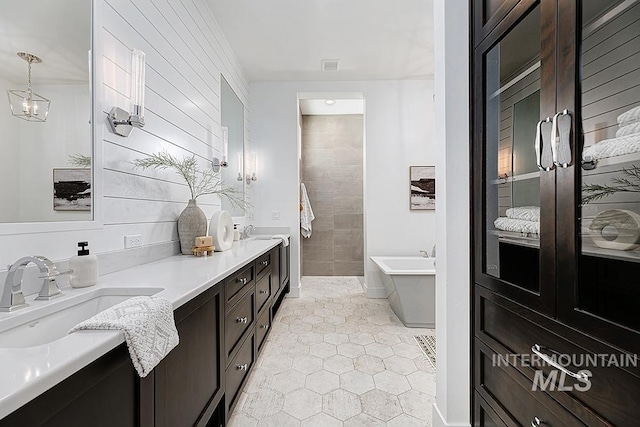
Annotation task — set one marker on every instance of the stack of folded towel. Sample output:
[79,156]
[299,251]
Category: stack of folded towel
[627,138]
[523,219]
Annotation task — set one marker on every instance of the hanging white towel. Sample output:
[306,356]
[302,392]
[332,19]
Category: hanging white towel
[148,326]
[306,215]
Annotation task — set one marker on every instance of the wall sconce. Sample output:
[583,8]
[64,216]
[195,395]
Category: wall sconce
[122,122]
[253,163]
[239,167]
[216,162]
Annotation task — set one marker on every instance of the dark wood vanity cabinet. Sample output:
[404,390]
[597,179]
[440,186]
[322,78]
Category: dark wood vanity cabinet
[556,233]
[221,333]
[189,382]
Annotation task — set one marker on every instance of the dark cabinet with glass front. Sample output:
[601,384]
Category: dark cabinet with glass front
[556,211]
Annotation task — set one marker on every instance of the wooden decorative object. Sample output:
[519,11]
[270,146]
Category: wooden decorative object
[204,250]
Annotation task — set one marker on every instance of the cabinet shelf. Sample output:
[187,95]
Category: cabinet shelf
[520,177]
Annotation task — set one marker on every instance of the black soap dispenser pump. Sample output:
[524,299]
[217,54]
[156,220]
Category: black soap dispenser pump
[84,267]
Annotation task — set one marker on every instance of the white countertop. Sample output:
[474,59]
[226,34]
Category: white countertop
[25,373]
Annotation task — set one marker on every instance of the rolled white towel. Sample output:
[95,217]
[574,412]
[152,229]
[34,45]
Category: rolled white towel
[628,130]
[517,225]
[630,116]
[613,147]
[527,213]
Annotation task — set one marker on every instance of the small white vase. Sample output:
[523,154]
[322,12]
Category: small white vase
[192,223]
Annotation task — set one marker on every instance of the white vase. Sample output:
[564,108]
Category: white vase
[192,223]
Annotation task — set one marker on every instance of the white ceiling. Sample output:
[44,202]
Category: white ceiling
[319,107]
[285,40]
[56,31]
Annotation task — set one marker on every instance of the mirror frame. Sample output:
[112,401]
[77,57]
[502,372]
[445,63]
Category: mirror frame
[96,79]
[230,160]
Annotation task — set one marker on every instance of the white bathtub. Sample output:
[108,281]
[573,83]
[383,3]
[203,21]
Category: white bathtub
[411,284]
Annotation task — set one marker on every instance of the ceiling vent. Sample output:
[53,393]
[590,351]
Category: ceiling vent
[330,65]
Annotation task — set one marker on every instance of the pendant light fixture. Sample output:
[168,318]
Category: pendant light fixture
[26,104]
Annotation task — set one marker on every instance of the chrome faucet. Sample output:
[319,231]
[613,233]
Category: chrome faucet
[425,254]
[12,296]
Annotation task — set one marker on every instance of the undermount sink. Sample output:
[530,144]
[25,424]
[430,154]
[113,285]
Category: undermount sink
[51,320]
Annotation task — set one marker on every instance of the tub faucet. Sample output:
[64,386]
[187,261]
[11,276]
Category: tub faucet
[425,254]
[246,232]
[12,297]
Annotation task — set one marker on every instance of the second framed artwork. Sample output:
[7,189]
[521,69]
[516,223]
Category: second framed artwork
[422,195]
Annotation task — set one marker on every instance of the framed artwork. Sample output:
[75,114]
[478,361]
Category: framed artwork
[422,195]
[71,189]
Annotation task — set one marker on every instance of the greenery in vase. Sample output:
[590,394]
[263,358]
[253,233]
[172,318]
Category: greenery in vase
[629,182]
[200,182]
[80,160]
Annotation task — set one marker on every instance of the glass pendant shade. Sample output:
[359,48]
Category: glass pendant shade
[26,104]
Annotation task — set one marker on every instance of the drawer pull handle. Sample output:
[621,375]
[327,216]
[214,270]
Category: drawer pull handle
[242,280]
[265,263]
[264,292]
[537,350]
[242,367]
[265,326]
[242,319]
[536,422]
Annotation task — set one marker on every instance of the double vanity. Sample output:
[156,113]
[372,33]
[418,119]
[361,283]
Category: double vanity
[223,307]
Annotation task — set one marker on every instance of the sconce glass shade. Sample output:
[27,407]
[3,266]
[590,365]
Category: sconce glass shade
[225,145]
[26,104]
[137,85]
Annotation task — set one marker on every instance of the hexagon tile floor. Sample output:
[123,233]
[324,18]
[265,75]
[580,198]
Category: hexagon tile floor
[336,358]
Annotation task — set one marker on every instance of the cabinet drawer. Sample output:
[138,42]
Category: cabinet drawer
[611,397]
[236,284]
[238,371]
[486,416]
[262,327]
[237,322]
[263,291]
[263,262]
[507,390]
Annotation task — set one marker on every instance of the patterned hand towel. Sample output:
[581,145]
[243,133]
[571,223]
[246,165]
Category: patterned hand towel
[148,326]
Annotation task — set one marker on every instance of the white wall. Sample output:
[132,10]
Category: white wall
[398,133]
[186,52]
[47,145]
[453,383]
[9,210]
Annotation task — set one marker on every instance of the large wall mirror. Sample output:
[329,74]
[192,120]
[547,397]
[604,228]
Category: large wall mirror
[232,122]
[46,137]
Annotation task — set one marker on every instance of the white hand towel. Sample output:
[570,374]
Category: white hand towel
[630,116]
[613,147]
[517,225]
[528,213]
[285,239]
[306,216]
[628,130]
[148,326]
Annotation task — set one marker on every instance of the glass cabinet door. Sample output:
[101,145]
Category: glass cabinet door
[514,218]
[599,195]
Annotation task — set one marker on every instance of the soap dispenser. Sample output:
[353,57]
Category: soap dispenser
[236,232]
[84,267]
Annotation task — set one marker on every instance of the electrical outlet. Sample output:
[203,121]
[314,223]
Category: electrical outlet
[275,215]
[132,241]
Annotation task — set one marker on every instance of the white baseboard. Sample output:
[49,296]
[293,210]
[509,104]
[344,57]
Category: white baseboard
[294,292]
[437,420]
[374,292]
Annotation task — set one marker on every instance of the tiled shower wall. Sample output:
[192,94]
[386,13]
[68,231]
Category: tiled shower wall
[332,171]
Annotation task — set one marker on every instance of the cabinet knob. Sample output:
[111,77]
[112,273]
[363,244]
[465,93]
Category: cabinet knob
[242,367]
[265,326]
[264,292]
[265,263]
[243,280]
[241,319]
[536,422]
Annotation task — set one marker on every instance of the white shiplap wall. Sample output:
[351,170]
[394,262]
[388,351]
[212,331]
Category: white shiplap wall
[185,53]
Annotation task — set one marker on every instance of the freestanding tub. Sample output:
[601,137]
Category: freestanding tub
[411,284]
